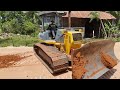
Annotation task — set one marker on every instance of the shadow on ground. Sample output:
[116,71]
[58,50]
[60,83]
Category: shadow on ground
[59,73]
[108,74]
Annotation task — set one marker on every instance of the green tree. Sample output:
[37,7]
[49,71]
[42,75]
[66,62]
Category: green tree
[116,14]
[96,15]
[29,27]
[19,22]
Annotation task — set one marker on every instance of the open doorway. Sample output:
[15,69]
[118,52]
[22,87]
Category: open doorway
[92,28]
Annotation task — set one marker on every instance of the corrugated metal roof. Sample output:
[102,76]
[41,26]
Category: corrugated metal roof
[48,12]
[86,14]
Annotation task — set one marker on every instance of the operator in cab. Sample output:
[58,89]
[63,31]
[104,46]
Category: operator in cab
[53,29]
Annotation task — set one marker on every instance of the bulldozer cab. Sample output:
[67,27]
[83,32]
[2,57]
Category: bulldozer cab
[72,40]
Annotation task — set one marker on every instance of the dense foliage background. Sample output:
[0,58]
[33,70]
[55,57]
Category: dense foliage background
[22,27]
[28,22]
[19,22]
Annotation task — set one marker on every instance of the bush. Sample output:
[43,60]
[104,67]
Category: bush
[29,28]
[0,30]
[111,29]
[11,26]
[35,34]
[16,26]
[116,39]
[25,28]
[7,27]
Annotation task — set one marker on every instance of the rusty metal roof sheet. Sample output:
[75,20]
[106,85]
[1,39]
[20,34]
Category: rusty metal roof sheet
[86,14]
[48,12]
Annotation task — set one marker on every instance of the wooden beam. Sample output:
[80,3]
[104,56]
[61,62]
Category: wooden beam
[43,22]
[69,19]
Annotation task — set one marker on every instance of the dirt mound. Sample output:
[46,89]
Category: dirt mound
[8,60]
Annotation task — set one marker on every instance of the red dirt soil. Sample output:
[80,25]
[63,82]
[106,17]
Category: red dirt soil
[8,60]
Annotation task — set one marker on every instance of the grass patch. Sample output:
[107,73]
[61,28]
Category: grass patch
[116,39]
[19,40]
[26,40]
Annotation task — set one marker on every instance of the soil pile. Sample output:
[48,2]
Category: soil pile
[8,60]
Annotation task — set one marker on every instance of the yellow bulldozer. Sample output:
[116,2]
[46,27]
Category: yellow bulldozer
[91,60]
[57,53]
[88,61]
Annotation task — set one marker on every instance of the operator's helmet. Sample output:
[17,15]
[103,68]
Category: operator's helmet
[52,21]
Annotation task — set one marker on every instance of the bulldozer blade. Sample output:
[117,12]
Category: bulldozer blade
[94,59]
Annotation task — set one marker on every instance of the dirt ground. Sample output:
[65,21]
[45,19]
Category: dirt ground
[25,65]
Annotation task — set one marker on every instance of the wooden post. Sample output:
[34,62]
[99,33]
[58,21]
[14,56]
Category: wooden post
[93,34]
[57,19]
[62,22]
[42,22]
[69,19]
[99,30]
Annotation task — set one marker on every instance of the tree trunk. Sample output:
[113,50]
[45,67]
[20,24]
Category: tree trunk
[99,31]
[103,29]
[69,19]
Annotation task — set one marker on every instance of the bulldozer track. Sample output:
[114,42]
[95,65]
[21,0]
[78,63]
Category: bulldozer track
[51,57]
[114,73]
